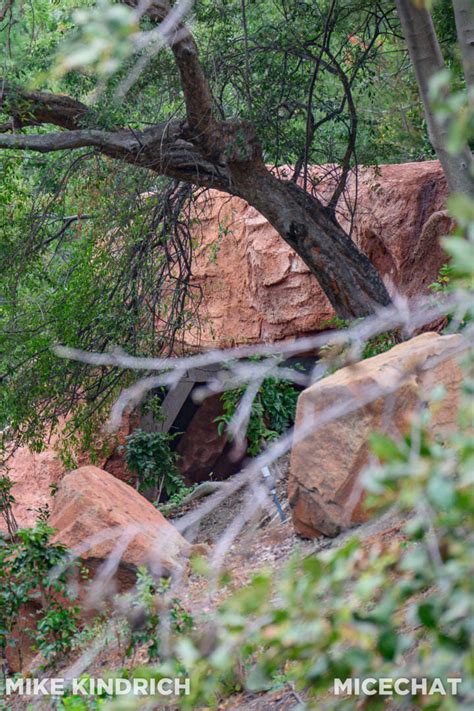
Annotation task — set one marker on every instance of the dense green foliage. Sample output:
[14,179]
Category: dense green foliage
[149,455]
[272,412]
[35,594]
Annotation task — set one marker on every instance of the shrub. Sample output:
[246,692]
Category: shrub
[149,602]
[150,456]
[272,412]
[33,568]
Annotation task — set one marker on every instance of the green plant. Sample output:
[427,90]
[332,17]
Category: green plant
[150,456]
[334,323]
[379,344]
[443,280]
[374,346]
[150,601]
[176,499]
[34,576]
[272,412]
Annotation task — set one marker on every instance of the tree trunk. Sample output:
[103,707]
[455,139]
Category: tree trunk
[218,154]
[427,60]
[347,277]
[464,14]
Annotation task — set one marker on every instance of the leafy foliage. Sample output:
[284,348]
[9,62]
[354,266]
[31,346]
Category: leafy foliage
[148,601]
[35,572]
[272,412]
[149,454]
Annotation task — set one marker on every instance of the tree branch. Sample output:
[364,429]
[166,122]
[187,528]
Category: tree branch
[32,107]
[464,14]
[49,142]
[159,148]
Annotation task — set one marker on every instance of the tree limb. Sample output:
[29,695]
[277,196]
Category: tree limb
[464,14]
[49,142]
[427,59]
[32,107]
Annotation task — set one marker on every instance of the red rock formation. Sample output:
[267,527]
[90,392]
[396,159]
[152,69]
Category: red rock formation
[203,450]
[34,474]
[324,485]
[101,518]
[256,289]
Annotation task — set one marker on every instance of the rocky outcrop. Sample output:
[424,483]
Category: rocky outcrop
[255,288]
[113,529]
[203,452]
[37,474]
[324,484]
[34,474]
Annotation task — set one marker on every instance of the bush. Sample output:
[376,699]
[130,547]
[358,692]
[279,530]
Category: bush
[272,412]
[149,602]
[150,456]
[32,568]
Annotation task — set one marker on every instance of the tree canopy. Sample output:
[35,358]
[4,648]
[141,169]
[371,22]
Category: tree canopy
[111,119]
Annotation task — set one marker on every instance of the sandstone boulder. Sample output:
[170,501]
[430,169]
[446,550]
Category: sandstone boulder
[112,528]
[324,483]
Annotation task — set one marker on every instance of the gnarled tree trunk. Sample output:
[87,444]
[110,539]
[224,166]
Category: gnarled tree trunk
[349,280]
[206,152]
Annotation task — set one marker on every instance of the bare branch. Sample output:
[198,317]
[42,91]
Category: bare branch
[49,142]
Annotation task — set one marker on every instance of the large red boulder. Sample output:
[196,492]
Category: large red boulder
[113,529]
[327,459]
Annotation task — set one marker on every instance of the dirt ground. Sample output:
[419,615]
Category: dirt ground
[264,541]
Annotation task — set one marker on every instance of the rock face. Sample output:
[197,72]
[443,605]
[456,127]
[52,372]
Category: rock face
[113,528]
[203,450]
[255,288]
[34,474]
[324,483]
